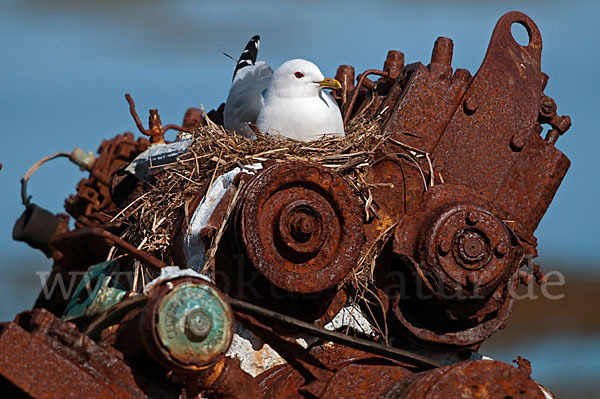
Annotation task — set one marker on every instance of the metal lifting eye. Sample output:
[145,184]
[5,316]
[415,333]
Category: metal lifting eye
[299,75]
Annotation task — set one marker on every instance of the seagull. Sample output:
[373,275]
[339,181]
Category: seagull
[290,101]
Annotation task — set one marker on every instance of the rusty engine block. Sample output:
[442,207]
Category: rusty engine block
[457,191]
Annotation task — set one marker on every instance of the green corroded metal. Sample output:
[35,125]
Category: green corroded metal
[194,323]
[95,293]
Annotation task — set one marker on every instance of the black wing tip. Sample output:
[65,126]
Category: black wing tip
[248,56]
[253,43]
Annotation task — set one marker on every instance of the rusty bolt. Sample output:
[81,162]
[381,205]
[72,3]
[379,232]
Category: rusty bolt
[552,136]
[472,218]
[470,246]
[473,247]
[501,249]
[442,51]
[547,107]
[444,248]
[470,105]
[394,63]
[517,141]
[302,226]
[197,325]
[562,124]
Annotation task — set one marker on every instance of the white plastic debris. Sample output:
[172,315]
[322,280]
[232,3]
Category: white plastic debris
[156,156]
[351,316]
[172,272]
[254,355]
[194,250]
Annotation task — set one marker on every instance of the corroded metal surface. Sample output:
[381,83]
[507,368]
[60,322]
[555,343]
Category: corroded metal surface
[301,226]
[44,357]
[357,370]
[187,325]
[456,190]
[93,203]
[472,379]
[471,179]
[463,257]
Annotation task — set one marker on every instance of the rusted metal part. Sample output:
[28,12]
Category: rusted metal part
[452,325]
[495,135]
[343,339]
[42,356]
[88,234]
[523,364]
[463,260]
[187,325]
[456,192]
[93,205]
[471,379]
[312,370]
[362,81]
[500,181]
[423,99]
[499,110]
[38,227]
[344,75]
[547,115]
[365,379]
[193,119]
[300,225]
[156,131]
[394,63]
[355,372]
[458,242]
[393,181]
[531,184]
[231,383]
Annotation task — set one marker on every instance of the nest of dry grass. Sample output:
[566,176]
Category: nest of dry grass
[151,218]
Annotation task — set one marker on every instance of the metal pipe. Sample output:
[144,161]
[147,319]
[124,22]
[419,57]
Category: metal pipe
[343,339]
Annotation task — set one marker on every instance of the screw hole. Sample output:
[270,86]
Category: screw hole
[520,34]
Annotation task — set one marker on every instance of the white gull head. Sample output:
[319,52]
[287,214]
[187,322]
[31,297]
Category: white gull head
[295,105]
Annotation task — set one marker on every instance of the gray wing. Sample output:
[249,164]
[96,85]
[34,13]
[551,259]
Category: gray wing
[245,99]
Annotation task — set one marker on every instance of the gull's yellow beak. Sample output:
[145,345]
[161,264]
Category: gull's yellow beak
[329,84]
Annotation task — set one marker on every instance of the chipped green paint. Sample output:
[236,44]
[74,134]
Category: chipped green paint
[100,294]
[193,322]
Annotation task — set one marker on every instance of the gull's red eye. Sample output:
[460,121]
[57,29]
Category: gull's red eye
[299,75]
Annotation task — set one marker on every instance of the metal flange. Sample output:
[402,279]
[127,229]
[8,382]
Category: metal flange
[301,226]
[187,325]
